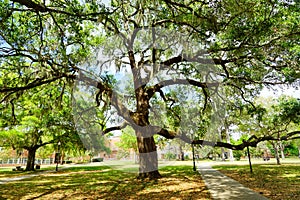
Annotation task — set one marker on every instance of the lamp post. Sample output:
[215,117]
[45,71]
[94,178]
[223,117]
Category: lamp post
[194,164]
[193,151]
[57,156]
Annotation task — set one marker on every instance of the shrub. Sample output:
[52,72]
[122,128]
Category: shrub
[97,160]
[237,154]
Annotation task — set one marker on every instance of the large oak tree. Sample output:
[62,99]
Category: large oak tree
[248,44]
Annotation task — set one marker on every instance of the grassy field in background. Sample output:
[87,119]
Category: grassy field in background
[271,180]
[109,182]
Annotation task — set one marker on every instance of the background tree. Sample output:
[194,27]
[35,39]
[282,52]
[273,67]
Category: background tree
[38,118]
[128,143]
[274,118]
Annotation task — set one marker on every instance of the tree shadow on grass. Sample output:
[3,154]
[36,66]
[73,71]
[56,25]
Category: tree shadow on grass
[106,183]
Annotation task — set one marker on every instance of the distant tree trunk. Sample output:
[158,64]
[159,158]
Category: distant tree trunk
[222,148]
[181,154]
[299,151]
[230,155]
[230,152]
[148,161]
[31,159]
[281,147]
[275,146]
[136,157]
[222,153]
[62,157]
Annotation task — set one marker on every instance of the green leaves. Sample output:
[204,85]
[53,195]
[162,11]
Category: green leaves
[128,140]
[289,109]
[45,44]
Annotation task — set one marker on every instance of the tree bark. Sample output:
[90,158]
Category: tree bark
[281,147]
[136,157]
[276,153]
[230,153]
[62,157]
[148,161]
[222,148]
[181,153]
[31,159]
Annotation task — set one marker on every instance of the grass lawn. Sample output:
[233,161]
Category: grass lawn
[272,181]
[105,182]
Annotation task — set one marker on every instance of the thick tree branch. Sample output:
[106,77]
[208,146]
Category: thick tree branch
[105,89]
[43,8]
[185,58]
[251,142]
[157,87]
[37,82]
[33,5]
[115,128]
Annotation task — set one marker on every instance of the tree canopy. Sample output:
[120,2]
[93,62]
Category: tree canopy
[166,47]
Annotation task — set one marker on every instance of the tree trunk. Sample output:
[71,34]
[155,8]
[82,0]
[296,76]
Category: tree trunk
[281,147]
[230,152]
[276,153]
[230,155]
[222,148]
[31,159]
[181,153]
[136,157]
[62,157]
[222,154]
[148,161]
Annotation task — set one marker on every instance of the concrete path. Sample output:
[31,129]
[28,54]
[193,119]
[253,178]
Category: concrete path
[18,178]
[38,173]
[223,187]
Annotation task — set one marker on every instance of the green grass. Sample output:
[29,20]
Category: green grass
[273,181]
[5,169]
[105,182]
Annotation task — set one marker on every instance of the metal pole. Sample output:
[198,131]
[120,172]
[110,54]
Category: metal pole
[194,164]
[251,171]
[56,169]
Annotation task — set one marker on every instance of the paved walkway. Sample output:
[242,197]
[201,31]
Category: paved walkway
[38,173]
[18,178]
[223,187]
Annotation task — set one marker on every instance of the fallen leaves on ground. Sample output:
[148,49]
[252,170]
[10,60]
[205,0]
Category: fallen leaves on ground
[105,183]
[273,181]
